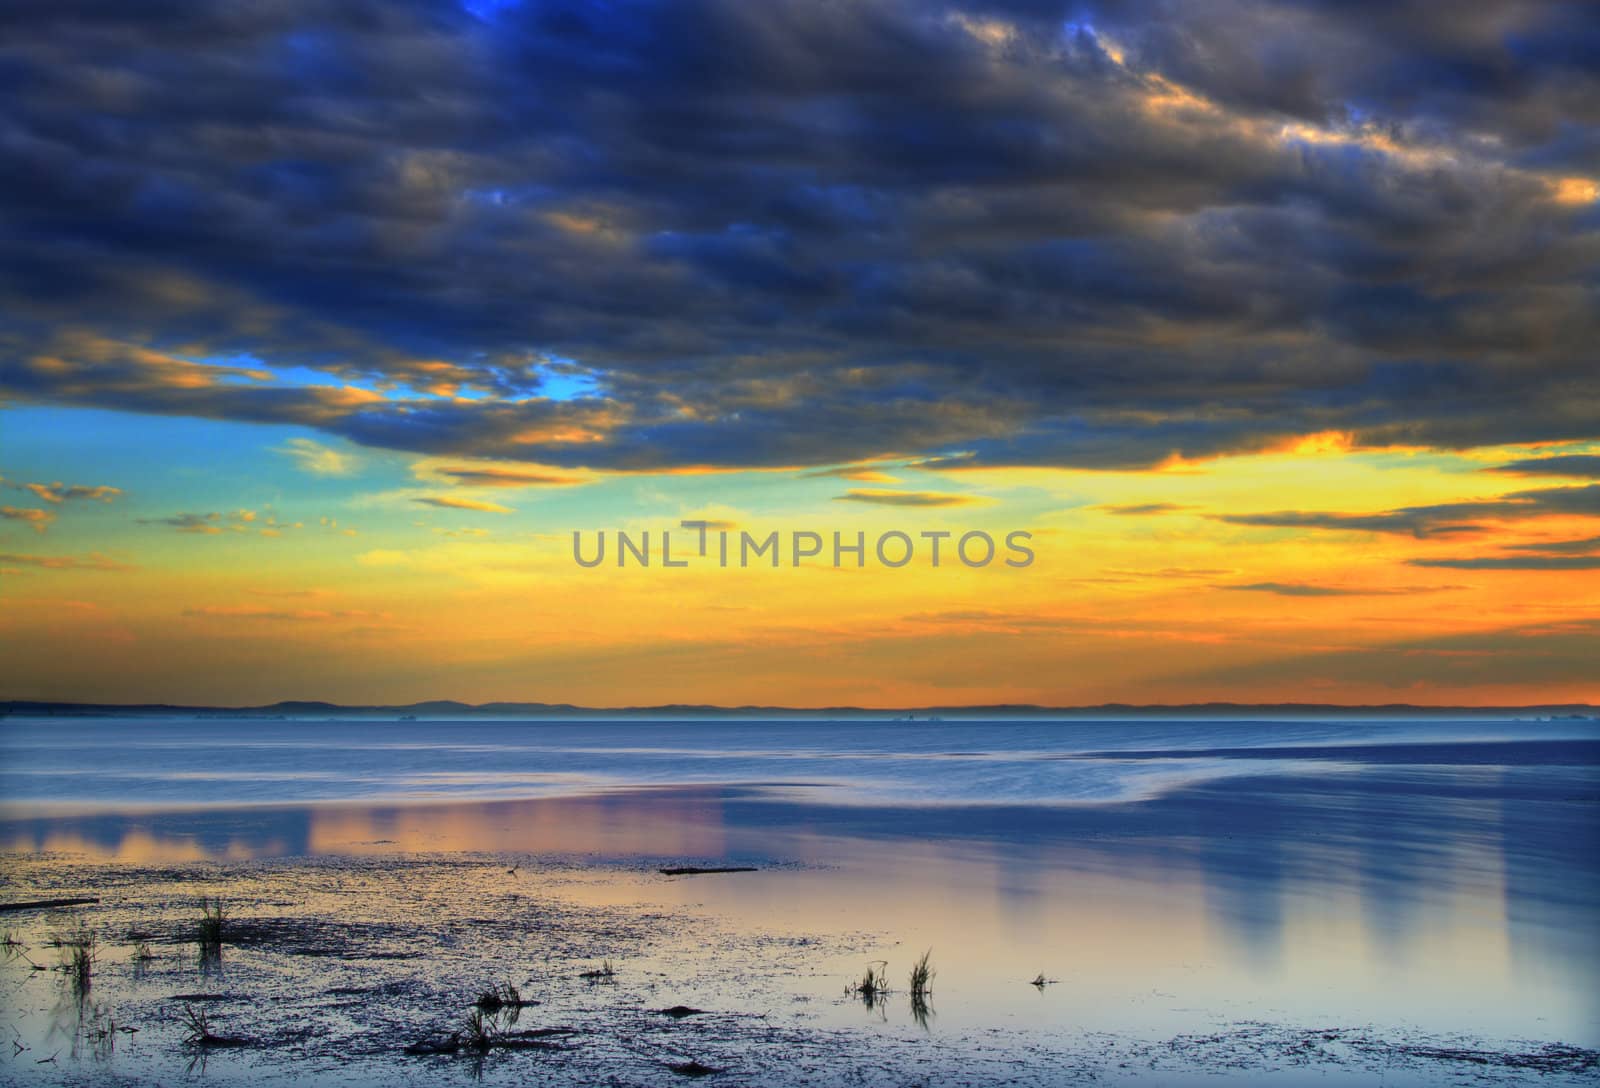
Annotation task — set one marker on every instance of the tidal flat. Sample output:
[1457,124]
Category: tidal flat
[1262,906]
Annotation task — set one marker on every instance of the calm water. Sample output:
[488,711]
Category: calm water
[1442,877]
[119,764]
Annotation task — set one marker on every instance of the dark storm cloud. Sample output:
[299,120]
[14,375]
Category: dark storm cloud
[797,234]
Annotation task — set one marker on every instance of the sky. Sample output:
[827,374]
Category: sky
[323,328]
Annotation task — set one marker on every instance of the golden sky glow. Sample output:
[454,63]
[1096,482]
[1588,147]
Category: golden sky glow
[1139,592]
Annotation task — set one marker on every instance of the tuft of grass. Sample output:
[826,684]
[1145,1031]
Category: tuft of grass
[101,1032]
[502,996]
[922,973]
[77,958]
[200,1033]
[604,973]
[199,1025]
[694,1069]
[873,989]
[13,949]
[503,999]
[210,931]
[482,1029]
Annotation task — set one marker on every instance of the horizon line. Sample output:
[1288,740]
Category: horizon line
[24,706]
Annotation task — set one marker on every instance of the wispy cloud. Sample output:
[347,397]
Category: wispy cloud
[1559,547]
[1173,572]
[312,456]
[1581,465]
[508,476]
[59,492]
[215,523]
[451,502]
[1513,562]
[296,615]
[858,473]
[1141,509]
[39,519]
[92,561]
[1441,519]
[1306,589]
[905,498]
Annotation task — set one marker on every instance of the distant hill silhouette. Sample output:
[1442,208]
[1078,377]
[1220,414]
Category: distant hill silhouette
[447,709]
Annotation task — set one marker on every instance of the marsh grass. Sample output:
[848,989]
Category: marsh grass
[694,1069]
[604,973]
[209,934]
[482,1028]
[198,1025]
[503,999]
[873,989]
[101,1032]
[199,1033]
[77,958]
[13,949]
[922,973]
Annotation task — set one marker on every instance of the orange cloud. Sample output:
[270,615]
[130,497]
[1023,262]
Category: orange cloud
[451,503]
[299,615]
[39,519]
[905,498]
[92,561]
[59,492]
[495,476]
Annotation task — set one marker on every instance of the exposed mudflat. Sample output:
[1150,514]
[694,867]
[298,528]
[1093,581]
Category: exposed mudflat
[357,970]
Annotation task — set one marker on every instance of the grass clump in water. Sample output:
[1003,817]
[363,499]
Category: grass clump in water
[922,973]
[212,925]
[873,989]
[502,999]
[482,1029]
[604,973]
[200,1034]
[77,958]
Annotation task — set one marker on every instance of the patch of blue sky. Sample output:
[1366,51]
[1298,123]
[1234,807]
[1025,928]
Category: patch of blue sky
[501,196]
[566,379]
[559,379]
[170,464]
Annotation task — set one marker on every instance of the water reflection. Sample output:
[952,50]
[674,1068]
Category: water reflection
[1471,888]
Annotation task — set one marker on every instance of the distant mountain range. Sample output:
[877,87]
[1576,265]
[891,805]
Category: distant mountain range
[448,710]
